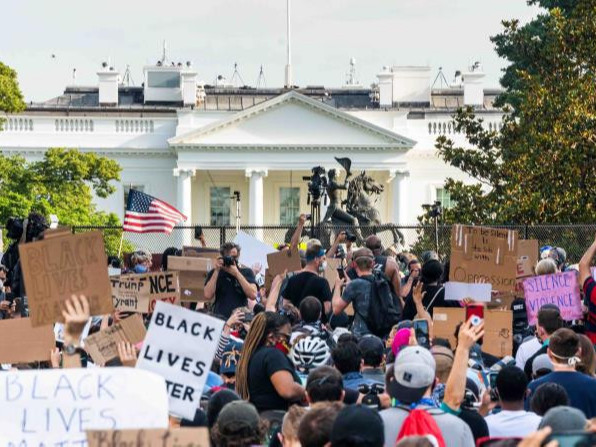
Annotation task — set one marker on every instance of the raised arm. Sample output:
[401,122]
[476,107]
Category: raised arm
[298,232]
[274,296]
[455,387]
[585,262]
[341,237]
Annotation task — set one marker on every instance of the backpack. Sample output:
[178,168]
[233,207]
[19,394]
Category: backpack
[420,423]
[384,308]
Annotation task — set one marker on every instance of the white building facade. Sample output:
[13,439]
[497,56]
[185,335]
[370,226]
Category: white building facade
[194,145]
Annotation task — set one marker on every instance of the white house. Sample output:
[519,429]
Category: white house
[194,145]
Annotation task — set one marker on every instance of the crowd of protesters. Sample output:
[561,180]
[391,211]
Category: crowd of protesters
[304,363]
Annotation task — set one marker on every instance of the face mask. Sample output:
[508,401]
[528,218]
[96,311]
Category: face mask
[323,266]
[283,347]
[139,268]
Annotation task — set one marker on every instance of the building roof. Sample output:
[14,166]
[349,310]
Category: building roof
[131,99]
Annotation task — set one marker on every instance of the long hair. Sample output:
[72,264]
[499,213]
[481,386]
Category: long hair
[262,325]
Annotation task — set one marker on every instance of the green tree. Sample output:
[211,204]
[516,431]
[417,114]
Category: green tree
[11,98]
[62,183]
[540,168]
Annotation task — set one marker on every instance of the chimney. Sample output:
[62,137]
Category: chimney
[411,86]
[108,85]
[474,86]
[189,87]
[385,88]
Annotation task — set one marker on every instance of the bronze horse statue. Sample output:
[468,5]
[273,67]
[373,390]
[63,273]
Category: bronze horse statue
[358,204]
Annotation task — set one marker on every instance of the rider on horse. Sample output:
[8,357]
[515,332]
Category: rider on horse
[334,210]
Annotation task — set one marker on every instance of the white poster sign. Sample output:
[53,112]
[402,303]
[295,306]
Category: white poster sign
[180,346]
[457,291]
[56,406]
[253,251]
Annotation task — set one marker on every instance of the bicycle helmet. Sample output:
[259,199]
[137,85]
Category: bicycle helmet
[309,353]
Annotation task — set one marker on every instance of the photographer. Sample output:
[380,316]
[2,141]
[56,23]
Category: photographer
[231,285]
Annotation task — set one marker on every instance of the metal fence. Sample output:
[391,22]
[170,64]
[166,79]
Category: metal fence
[417,238]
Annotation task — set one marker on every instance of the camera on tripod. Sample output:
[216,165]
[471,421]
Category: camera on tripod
[317,183]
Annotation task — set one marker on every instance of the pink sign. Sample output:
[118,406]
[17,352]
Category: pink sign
[560,289]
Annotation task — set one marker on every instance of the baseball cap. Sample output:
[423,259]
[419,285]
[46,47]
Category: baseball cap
[230,357]
[358,425]
[414,372]
[564,419]
[237,416]
[541,362]
[363,253]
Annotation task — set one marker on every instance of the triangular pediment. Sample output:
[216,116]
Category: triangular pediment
[292,120]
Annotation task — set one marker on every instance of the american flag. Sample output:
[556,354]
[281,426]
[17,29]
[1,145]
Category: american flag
[146,214]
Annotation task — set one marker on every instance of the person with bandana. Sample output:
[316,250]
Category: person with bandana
[308,281]
[265,375]
[232,286]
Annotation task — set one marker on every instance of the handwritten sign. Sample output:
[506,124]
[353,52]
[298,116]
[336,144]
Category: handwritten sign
[561,289]
[187,437]
[103,345]
[180,346]
[488,254]
[61,266]
[56,407]
[23,343]
[193,274]
[527,257]
[139,293]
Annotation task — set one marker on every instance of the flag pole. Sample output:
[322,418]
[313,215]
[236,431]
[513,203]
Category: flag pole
[121,241]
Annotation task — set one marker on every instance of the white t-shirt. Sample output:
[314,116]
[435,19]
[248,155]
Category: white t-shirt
[525,351]
[516,424]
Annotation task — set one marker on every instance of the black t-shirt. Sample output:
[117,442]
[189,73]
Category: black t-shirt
[306,284]
[410,308]
[265,362]
[228,293]
[476,423]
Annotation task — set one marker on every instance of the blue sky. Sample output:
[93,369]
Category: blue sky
[214,34]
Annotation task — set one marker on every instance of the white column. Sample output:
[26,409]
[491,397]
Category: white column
[255,198]
[400,179]
[184,200]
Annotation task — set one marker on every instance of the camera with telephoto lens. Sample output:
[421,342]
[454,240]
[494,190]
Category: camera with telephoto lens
[317,183]
[228,261]
[371,395]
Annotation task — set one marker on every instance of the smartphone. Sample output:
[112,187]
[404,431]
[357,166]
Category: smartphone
[476,312]
[572,439]
[342,273]
[308,216]
[198,232]
[492,382]
[422,333]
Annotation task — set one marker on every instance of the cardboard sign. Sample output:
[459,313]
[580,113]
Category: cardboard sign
[56,406]
[457,291]
[180,346]
[527,257]
[200,252]
[192,275]
[253,251]
[139,293]
[279,262]
[498,328]
[103,345]
[561,289]
[56,268]
[23,343]
[187,437]
[484,253]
